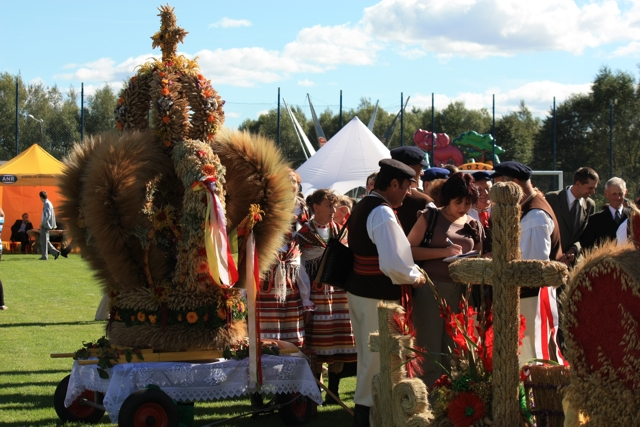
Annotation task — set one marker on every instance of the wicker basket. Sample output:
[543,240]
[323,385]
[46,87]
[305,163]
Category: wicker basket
[543,394]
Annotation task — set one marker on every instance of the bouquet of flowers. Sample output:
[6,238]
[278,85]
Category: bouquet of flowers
[462,397]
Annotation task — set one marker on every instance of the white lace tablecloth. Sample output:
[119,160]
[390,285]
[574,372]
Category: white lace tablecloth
[190,382]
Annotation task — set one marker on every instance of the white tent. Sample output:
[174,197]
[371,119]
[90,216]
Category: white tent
[345,161]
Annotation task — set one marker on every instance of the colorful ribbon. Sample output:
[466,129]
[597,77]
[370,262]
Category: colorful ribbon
[219,257]
[253,282]
[547,323]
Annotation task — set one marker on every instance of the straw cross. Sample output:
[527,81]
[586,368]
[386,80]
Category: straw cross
[169,35]
[506,272]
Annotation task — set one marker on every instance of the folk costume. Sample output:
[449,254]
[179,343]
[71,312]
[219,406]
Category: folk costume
[382,262]
[284,296]
[329,332]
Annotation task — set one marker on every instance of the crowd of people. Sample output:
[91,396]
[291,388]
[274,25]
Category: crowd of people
[397,228]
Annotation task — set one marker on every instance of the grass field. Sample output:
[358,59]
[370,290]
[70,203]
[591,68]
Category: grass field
[51,309]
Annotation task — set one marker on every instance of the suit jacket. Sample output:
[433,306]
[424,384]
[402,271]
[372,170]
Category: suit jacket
[16,227]
[569,236]
[601,226]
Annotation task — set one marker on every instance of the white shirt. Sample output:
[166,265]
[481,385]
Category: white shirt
[613,211]
[535,235]
[571,198]
[621,234]
[394,250]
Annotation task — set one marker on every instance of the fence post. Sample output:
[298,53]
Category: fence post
[401,119]
[278,117]
[82,112]
[17,112]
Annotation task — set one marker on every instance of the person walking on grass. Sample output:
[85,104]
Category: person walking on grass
[47,224]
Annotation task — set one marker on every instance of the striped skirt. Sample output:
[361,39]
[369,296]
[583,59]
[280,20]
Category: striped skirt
[281,320]
[330,332]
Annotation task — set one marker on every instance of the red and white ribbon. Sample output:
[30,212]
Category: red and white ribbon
[547,324]
[253,282]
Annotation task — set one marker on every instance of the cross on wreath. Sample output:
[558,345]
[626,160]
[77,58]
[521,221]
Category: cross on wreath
[506,272]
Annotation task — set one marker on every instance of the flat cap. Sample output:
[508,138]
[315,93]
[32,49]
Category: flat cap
[512,169]
[409,156]
[435,173]
[398,168]
[481,176]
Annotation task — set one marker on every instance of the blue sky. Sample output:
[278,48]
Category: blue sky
[458,49]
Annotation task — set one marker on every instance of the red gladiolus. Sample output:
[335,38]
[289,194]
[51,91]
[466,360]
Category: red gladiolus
[465,409]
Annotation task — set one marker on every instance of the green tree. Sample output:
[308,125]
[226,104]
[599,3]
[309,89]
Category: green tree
[456,119]
[516,133]
[98,114]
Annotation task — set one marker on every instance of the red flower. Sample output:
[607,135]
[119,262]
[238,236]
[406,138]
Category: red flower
[523,327]
[201,153]
[465,409]
[202,251]
[166,119]
[443,381]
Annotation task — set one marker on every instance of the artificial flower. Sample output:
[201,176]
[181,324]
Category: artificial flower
[167,143]
[222,313]
[465,409]
[211,118]
[153,318]
[192,317]
[164,91]
[141,316]
[209,170]
[166,119]
[205,317]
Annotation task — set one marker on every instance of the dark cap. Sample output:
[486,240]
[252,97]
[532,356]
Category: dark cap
[512,169]
[409,156]
[481,176]
[397,168]
[435,173]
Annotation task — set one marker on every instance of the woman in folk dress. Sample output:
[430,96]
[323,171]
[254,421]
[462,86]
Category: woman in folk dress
[329,331]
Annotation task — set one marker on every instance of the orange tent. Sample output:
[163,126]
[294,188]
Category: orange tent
[21,179]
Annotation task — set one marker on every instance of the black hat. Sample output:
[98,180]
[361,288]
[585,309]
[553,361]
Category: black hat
[397,168]
[409,156]
[512,169]
[481,175]
[435,173]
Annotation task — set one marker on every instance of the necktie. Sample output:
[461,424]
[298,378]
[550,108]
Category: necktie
[575,213]
[618,218]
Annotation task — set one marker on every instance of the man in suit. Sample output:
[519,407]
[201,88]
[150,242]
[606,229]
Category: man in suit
[573,207]
[416,201]
[603,225]
[19,231]
[47,224]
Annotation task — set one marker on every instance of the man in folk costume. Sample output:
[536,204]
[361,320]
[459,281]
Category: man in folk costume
[382,262]
[539,240]
[415,201]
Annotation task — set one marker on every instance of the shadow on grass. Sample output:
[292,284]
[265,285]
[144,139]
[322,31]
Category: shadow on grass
[41,371]
[41,422]
[26,401]
[27,384]
[41,324]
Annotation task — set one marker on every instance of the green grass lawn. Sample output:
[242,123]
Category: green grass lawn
[51,309]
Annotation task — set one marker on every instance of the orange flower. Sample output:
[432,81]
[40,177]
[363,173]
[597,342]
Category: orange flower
[133,318]
[165,81]
[166,119]
[200,77]
[211,118]
[205,317]
[141,316]
[192,317]
[120,101]
[133,79]
[208,93]
[118,316]
[209,170]
[222,314]
[119,125]
[210,137]
[161,73]
[179,317]
[164,91]
[153,318]
[167,143]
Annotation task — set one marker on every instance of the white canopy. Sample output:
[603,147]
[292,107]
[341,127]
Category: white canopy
[345,161]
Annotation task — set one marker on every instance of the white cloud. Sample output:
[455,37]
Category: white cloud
[261,112]
[69,66]
[538,97]
[412,53]
[331,46]
[105,70]
[232,115]
[230,23]
[306,83]
[480,28]
[632,49]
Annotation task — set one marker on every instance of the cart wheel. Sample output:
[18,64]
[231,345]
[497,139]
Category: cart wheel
[297,412]
[77,412]
[148,407]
